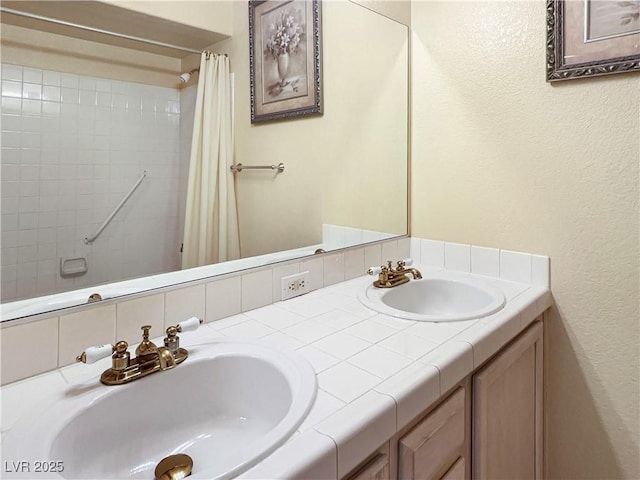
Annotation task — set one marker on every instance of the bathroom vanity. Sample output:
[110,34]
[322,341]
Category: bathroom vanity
[488,426]
[395,398]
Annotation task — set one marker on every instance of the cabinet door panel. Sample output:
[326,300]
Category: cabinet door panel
[507,412]
[376,469]
[434,444]
[457,471]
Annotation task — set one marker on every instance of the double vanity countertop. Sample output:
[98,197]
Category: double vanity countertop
[375,373]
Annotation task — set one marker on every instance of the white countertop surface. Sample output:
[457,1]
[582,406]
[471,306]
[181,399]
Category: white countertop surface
[375,373]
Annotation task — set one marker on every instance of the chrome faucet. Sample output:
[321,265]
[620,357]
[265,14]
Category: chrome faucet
[149,357]
[389,277]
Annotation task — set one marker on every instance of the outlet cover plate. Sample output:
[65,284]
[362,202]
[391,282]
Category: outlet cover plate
[294,285]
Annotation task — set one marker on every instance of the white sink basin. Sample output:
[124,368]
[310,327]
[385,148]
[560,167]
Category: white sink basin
[228,406]
[445,298]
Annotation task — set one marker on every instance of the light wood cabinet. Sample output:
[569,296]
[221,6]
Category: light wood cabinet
[488,427]
[376,467]
[507,412]
[433,448]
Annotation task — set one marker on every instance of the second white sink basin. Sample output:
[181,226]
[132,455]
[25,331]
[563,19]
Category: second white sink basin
[435,299]
[228,406]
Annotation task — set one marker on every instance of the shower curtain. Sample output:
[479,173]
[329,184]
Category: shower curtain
[211,218]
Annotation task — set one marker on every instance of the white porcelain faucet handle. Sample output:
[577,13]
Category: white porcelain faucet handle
[374,270]
[93,354]
[407,262]
[189,324]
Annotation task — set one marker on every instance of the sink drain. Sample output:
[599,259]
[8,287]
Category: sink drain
[174,467]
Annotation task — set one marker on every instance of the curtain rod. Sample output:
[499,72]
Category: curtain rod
[97,30]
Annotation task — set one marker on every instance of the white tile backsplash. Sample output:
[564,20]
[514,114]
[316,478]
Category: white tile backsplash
[257,289]
[28,349]
[432,253]
[183,304]
[515,266]
[457,257]
[485,261]
[84,329]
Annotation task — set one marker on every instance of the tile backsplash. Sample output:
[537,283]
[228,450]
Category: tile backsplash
[59,338]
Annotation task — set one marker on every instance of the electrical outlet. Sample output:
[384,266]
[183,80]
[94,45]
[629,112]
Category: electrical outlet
[294,285]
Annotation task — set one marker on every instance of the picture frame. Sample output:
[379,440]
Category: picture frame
[587,38]
[285,59]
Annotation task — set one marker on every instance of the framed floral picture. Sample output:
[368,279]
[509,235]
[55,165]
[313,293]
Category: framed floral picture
[586,38]
[285,59]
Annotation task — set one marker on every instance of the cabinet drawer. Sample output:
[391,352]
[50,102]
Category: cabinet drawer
[430,449]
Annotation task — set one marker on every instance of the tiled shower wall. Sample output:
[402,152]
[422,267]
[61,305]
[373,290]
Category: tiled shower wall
[72,147]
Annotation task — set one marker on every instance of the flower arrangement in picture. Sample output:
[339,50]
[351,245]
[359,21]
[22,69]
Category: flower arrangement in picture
[286,33]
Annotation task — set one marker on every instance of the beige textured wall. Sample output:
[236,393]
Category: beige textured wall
[335,163]
[501,158]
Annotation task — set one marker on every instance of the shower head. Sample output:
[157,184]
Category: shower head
[185,77]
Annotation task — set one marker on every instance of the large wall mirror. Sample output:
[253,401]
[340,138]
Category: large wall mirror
[87,116]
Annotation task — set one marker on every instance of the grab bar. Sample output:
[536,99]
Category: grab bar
[89,240]
[239,167]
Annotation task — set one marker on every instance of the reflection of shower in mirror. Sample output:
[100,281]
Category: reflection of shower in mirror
[186,76]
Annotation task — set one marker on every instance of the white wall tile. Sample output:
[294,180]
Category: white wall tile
[223,298]
[18,345]
[315,267]
[184,303]
[404,248]
[333,268]
[515,266]
[57,111]
[257,289]
[485,261]
[457,256]
[354,265]
[85,329]
[390,252]
[372,256]
[432,253]
[540,271]
[415,250]
[131,315]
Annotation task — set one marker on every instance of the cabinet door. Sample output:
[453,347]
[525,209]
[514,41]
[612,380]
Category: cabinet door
[457,471]
[507,412]
[376,469]
[434,445]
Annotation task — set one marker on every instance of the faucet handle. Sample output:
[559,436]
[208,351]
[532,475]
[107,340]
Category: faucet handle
[172,341]
[405,262]
[190,324]
[374,270]
[98,352]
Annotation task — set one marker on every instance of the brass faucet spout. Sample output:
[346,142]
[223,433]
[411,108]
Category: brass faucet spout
[166,359]
[416,273]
